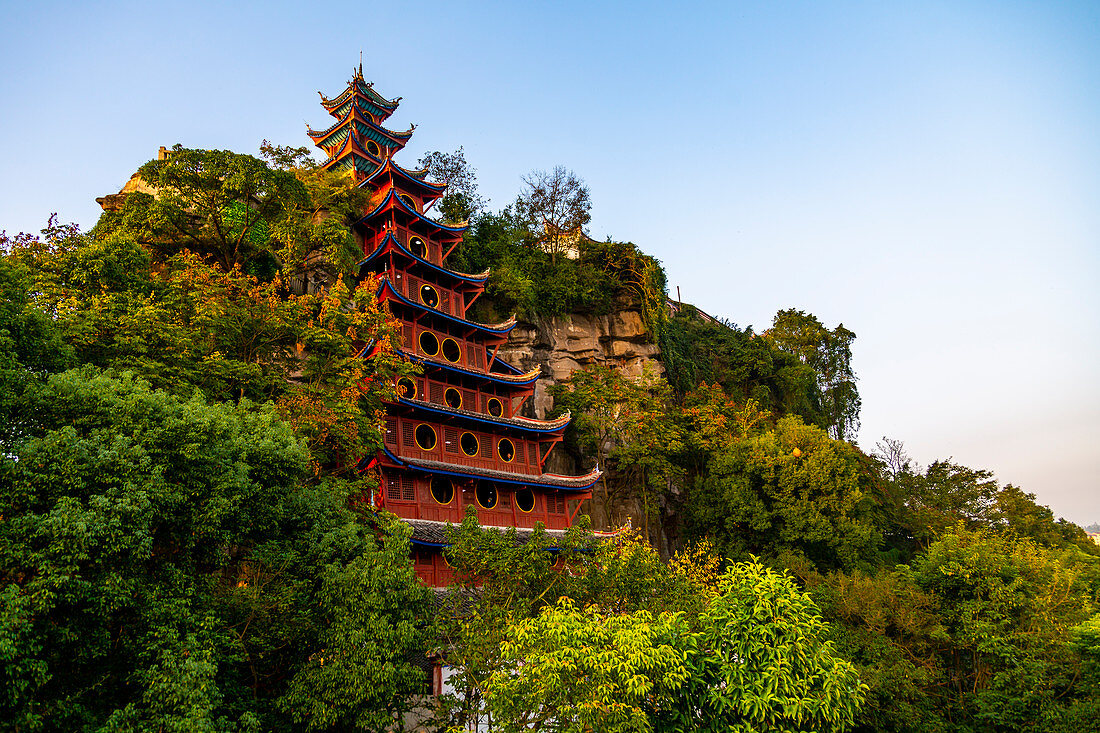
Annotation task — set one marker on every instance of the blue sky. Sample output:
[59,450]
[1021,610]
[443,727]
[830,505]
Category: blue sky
[925,173]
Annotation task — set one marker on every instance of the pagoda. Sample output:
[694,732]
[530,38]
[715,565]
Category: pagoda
[455,435]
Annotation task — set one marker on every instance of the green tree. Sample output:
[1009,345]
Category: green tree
[759,661]
[829,354]
[461,199]
[1007,606]
[30,346]
[217,203]
[977,634]
[185,324]
[555,207]
[573,670]
[790,493]
[312,236]
[698,351]
[497,579]
[164,565]
[626,424]
[372,623]
[764,662]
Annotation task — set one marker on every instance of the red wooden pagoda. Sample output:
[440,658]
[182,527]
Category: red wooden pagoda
[455,435]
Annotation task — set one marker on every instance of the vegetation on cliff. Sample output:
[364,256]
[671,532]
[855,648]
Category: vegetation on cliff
[184,541]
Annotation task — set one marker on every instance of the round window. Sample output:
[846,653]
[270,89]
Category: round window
[406,388]
[453,398]
[417,247]
[506,449]
[373,149]
[451,350]
[525,500]
[442,490]
[486,494]
[495,407]
[469,444]
[425,437]
[408,200]
[428,296]
[429,344]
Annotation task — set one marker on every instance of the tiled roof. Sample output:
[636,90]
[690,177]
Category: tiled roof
[476,278]
[522,378]
[524,423]
[435,533]
[549,480]
[500,329]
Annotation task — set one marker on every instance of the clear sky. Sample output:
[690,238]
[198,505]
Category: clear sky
[927,173]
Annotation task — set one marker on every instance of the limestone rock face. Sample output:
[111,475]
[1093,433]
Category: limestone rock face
[561,345]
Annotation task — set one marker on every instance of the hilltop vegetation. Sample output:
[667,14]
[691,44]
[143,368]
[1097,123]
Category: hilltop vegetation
[186,542]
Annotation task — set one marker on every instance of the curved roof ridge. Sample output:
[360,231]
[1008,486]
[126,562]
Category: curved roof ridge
[355,111]
[363,87]
[458,227]
[478,277]
[527,423]
[439,187]
[502,328]
[522,379]
[392,195]
[548,480]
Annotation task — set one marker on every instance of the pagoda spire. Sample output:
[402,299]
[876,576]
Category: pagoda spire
[358,141]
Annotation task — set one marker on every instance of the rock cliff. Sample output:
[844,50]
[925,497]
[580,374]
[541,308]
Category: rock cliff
[561,345]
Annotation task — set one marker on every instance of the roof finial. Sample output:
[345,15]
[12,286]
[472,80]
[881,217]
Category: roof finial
[360,63]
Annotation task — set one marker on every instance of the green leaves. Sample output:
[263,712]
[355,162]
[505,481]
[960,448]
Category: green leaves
[791,492]
[829,354]
[216,203]
[372,622]
[165,565]
[582,670]
[765,660]
[758,661]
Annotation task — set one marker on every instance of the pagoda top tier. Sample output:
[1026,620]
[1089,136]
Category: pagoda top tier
[357,141]
[361,92]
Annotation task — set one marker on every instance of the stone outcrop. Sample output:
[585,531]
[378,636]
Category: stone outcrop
[561,345]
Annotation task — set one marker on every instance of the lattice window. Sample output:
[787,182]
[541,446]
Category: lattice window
[408,489]
[469,398]
[477,357]
[533,453]
[408,438]
[444,301]
[505,500]
[391,431]
[450,440]
[556,502]
[393,487]
[420,388]
[486,446]
[413,287]
[407,334]
[436,390]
